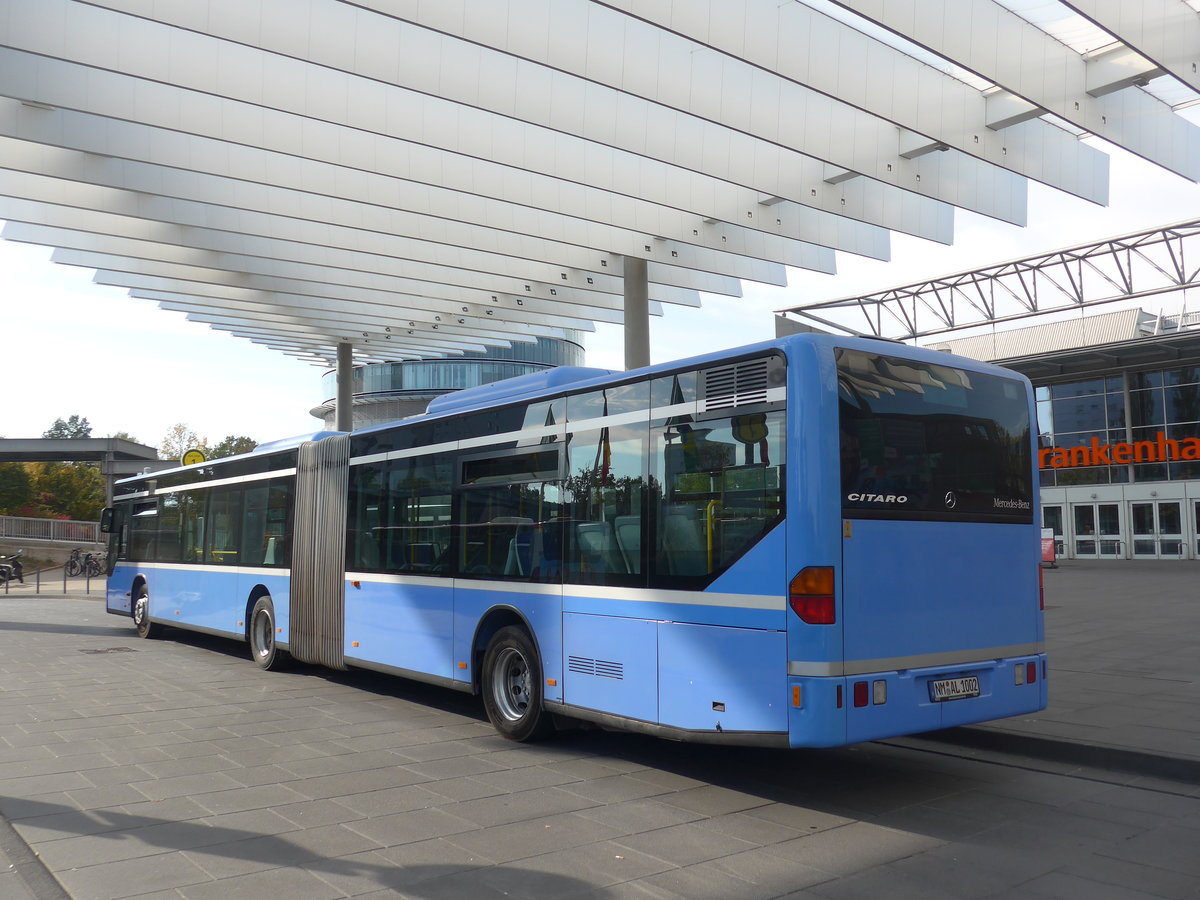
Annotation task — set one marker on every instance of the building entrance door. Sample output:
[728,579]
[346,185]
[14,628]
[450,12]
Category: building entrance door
[1097,530]
[1052,518]
[1158,529]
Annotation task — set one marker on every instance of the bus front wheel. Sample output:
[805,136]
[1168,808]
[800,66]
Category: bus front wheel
[512,686]
[262,637]
[141,615]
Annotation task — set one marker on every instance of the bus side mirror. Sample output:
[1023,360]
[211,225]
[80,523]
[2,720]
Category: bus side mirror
[106,520]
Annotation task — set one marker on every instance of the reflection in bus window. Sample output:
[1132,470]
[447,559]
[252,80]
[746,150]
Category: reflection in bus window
[721,486]
[605,483]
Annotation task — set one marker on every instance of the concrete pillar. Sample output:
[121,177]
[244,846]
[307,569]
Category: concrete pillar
[637,313]
[344,410]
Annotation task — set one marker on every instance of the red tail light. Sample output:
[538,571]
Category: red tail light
[860,693]
[1030,672]
[811,595]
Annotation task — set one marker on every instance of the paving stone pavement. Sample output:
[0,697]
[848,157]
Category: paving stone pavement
[175,768]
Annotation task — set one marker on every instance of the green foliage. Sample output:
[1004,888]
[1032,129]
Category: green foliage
[73,491]
[232,446]
[73,427]
[16,488]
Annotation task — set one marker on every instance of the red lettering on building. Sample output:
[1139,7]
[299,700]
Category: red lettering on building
[1161,449]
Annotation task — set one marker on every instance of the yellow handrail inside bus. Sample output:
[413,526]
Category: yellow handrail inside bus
[709,518]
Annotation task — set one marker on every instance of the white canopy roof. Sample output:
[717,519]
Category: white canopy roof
[417,178]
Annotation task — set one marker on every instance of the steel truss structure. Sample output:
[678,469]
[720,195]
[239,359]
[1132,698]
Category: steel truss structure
[1160,261]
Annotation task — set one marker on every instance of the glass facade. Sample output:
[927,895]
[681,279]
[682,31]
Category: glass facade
[442,375]
[1121,408]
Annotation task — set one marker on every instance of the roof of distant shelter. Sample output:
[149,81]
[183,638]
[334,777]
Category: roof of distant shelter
[1087,346]
[425,178]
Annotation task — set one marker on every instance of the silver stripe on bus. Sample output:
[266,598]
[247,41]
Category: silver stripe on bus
[131,496]
[506,587]
[220,482]
[630,418]
[634,595]
[919,661]
[199,567]
[773,602]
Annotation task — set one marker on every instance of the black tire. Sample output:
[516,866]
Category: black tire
[141,616]
[512,686]
[73,568]
[93,567]
[260,634]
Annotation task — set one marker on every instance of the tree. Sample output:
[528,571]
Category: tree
[125,436]
[179,439]
[232,446]
[16,488]
[74,427]
[73,490]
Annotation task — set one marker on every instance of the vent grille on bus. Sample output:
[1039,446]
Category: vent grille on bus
[602,667]
[737,385]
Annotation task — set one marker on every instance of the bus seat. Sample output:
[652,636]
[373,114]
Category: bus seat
[628,530]
[683,541]
[368,550]
[597,548]
[520,546]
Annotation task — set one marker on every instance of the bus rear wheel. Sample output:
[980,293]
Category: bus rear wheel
[141,615]
[261,634]
[512,686]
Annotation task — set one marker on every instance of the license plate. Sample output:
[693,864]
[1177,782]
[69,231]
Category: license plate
[954,688]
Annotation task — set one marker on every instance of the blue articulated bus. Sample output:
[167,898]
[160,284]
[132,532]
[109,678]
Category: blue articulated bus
[811,541]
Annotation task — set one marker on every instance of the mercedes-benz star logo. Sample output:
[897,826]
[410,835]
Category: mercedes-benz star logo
[951,500]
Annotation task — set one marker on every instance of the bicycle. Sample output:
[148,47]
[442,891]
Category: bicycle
[74,565]
[82,563]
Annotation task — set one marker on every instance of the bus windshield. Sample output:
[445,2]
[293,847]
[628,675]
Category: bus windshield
[926,441]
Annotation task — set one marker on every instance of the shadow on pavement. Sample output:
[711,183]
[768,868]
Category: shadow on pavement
[448,880]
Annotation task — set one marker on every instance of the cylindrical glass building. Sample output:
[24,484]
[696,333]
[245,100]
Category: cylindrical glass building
[385,392]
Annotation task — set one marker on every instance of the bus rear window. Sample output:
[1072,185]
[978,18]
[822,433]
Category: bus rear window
[926,441]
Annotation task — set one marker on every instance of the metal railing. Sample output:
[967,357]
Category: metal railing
[25,528]
[34,579]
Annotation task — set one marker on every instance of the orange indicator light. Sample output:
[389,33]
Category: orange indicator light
[354,643]
[553,682]
[796,696]
[462,665]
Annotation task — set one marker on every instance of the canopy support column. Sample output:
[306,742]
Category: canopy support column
[637,313]
[344,410]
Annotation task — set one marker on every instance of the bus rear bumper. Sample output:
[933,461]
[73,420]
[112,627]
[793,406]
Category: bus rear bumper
[848,710]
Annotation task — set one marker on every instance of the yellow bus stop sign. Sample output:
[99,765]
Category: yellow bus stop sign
[192,457]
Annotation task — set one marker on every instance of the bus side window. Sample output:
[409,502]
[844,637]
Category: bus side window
[264,529]
[418,504]
[606,488]
[191,526]
[721,487]
[364,525]
[224,526]
[143,528]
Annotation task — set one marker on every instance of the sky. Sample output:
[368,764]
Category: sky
[72,347]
